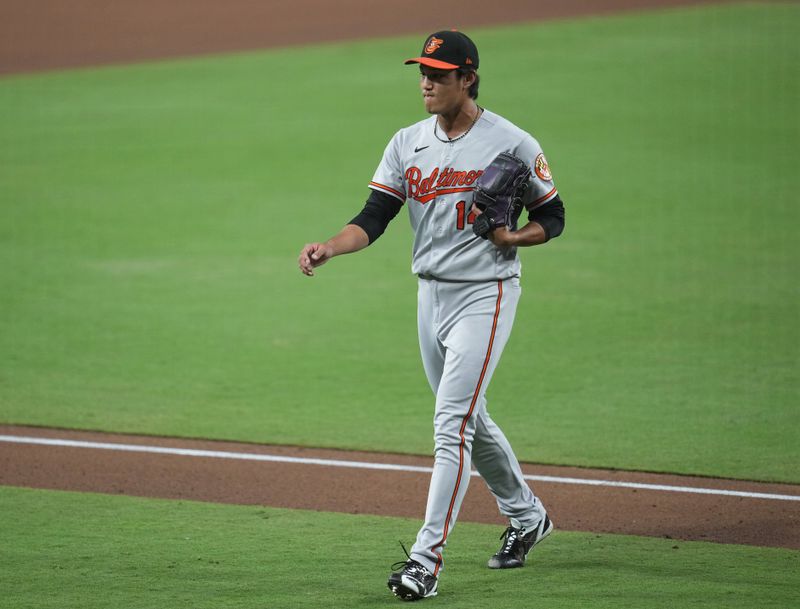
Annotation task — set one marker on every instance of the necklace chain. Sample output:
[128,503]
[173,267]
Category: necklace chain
[463,135]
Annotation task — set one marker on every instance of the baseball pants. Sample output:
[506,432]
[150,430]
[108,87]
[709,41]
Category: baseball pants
[463,328]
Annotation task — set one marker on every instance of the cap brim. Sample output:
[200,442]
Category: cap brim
[432,63]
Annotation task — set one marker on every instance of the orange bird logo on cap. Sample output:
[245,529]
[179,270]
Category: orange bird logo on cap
[433,44]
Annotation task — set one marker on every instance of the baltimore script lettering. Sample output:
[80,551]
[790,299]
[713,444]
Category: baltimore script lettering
[446,182]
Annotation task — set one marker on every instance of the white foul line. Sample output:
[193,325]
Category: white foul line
[190,452]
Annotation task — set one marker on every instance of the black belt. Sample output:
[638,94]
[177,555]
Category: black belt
[429,277]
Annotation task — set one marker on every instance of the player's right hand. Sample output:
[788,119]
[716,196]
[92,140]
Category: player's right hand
[312,256]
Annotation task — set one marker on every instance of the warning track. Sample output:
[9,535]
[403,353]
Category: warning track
[58,35]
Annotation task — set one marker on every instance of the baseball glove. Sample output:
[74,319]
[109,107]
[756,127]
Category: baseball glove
[498,193]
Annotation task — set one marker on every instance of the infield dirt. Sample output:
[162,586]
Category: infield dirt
[601,509]
[50,34]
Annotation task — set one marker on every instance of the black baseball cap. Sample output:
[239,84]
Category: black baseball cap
[448,50]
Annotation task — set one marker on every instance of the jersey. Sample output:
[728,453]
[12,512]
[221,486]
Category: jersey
[437,178]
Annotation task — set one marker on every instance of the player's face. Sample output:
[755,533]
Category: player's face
[442,90]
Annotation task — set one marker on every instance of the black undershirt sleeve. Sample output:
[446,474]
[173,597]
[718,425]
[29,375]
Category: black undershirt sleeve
[379,210]
[550,216]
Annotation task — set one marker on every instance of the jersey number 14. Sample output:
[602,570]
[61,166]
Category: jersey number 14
[462,217]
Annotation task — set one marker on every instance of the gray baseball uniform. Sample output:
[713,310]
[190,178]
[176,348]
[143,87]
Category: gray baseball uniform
[467,298]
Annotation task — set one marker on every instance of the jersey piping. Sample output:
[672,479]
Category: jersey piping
[388,190]
[545,198]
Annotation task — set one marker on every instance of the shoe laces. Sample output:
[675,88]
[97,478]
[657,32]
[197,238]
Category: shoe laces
[411,566]
[400,565]
[510,535]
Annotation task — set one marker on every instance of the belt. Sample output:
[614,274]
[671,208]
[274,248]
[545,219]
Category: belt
[429,277]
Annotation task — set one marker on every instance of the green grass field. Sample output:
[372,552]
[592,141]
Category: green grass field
[146,553]
[152,216]
[151,219]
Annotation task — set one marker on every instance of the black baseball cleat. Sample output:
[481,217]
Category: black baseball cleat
[413,582]
[517,543]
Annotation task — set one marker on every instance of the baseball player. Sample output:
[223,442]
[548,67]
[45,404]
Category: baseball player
[469,286]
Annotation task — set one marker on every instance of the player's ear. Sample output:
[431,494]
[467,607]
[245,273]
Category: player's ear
[469,78]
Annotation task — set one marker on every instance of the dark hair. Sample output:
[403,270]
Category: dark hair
[473,89]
